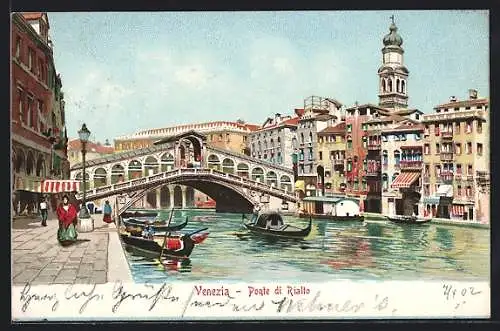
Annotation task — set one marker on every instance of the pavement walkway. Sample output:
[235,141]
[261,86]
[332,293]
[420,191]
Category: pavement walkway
[38,258]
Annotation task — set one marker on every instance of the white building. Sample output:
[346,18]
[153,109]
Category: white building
[273,141]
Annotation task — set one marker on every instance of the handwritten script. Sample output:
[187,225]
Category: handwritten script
[230,300]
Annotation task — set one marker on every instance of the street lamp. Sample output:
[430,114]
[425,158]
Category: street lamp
[84,135]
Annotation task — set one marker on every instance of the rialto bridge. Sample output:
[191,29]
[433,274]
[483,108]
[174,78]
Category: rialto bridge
[167,173]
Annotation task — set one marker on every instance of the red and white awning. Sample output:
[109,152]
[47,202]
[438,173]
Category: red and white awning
[457,210]
[58,186]
[405,179]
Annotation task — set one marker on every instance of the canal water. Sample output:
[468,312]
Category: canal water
[333,250]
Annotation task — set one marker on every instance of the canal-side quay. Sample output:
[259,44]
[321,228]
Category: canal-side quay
[97,257]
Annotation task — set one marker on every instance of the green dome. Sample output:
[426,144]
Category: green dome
[393,38]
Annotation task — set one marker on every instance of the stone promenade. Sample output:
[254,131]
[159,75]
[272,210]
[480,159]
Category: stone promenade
[38,258]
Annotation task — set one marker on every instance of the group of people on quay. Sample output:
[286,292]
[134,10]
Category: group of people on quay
[67,215]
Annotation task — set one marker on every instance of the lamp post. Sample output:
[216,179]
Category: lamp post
[86,222]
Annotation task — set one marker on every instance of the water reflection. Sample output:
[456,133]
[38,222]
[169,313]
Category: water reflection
[333,250]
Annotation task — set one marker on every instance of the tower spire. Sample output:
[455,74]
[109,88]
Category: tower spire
[393,75]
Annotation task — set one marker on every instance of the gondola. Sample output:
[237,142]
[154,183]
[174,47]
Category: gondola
[271,224]
[176,246]
[407,219]
[352,218]
[136,226]
[138,213]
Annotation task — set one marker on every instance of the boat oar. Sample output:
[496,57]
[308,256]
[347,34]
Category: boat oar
[167,233]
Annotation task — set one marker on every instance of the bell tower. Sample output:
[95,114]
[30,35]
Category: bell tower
[393,75]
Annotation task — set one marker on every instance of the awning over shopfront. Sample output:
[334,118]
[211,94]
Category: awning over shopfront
[300,185]
[432,200]
[405,179]
[445,191]
[58,186]
[457,210]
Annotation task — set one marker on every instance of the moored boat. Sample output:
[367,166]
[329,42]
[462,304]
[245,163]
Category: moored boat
[271,224]
[136,227]
[139,213]
[353,218]
[177,246]
[407,219]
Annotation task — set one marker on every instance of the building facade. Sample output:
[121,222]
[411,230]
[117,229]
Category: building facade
[39,141]
[319,113]
[232,136]
[456,160]
[94,150]
[401,168]
[332,156]
[273,141]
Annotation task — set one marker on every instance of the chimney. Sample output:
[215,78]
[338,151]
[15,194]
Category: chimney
[472,94]
[453,98]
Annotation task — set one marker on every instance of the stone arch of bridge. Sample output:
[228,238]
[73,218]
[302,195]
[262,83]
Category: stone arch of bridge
[227,197]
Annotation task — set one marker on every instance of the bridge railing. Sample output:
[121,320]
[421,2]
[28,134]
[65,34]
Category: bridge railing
[237,180]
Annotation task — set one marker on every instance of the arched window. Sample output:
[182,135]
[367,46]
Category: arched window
[385,182]
[383,85]
[385,157]
[403,87]
[349,142]
[397,157]
[397,85]
[349,165]
[389,85]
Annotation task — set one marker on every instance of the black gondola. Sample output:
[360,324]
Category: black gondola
[271,224]
[135,227]
[357,218]
[407,219]
[139,213]
[181,248]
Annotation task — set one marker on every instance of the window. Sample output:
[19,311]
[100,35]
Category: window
[417,116]
[349,127]
[349,143]
[30,58]
[20,96]
[220,137]
[469,170]
[437,148]
[459,190]
[479,126]
[426,130]
[436,129]
[349,165]
[458,148]
[227,137]
[457,128]
[418,136]
[426,170]
[427,149]
[320,155]
[356,184]
[468,127]
[479,149]
[469,191]
[459,169]
[437,170]
[403,137]
[39,114]
[29,115]
[18,47]
[468,149]
[365,143]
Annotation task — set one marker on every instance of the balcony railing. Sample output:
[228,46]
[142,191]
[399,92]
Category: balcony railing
[446,177]
[447,135]
[374,147]
[410,164]
[446,156]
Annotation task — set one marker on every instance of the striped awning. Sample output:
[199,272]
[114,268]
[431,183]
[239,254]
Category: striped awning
[405,179]
[457,210]
[58,186]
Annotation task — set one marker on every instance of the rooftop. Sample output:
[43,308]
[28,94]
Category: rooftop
[76,145]
[339,128]
[463,103]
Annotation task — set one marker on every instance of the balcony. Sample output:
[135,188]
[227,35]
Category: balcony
[446,177]
[447,135]
[373,147]
[410,164]
[338,162]
[446,156]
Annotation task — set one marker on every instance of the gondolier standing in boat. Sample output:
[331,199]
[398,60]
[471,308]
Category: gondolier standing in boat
[148,231]
[107,213]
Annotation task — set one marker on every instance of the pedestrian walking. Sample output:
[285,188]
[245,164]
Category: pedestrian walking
[107,213]
[67,216]
[44,211]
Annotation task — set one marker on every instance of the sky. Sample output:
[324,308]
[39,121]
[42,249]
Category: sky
[123,72]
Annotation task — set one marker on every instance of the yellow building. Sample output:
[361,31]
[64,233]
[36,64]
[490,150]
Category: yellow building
[456,160]
[230,136]
[331,156]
